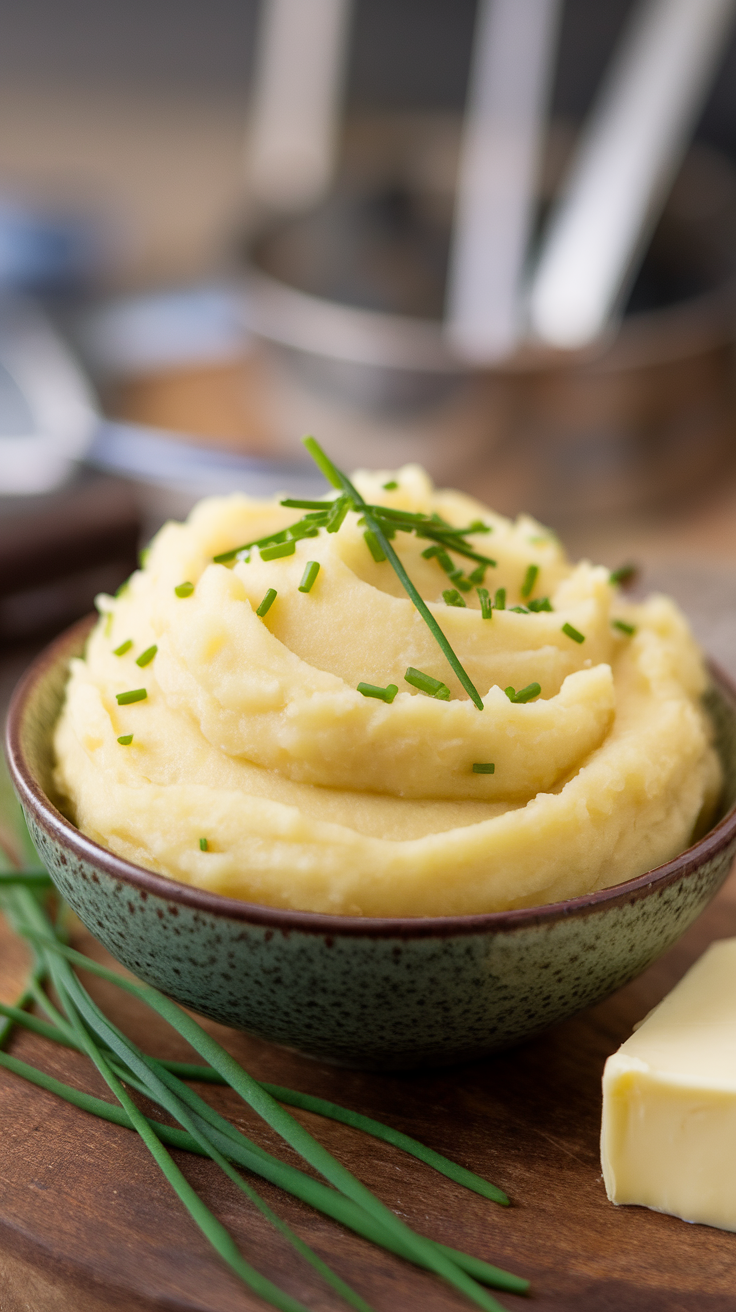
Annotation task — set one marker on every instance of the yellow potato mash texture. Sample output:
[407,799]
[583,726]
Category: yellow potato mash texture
[312,796]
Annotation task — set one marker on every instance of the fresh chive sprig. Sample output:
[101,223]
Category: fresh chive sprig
[204,1131]
[415,1246]
[343,484]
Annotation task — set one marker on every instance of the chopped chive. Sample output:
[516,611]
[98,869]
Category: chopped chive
[185,589]
[107,629]
[281,549]
[383,694]
[541,603]
[488,768]
[124,646]
[623,627]
[338,513]
[459,580]
[499,601]
[478,574]
[125,698]
[391,486]
[434,550]
[527,694]
[147,656]
[520,610]
[267,602]
[573,633]
[624,574]
[373,545]
[425,683]
[143,556]
[486,609]
[125,739]
[530,579]
[310,573]
[203,845]
[452,597]
[478,526]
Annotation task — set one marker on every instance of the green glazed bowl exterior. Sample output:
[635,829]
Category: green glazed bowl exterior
[369,993]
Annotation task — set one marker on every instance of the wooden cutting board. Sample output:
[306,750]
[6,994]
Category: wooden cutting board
[87,1223]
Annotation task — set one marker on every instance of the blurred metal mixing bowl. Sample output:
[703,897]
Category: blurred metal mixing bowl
[346,305]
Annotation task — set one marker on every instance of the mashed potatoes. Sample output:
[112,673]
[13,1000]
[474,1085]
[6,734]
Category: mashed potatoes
[257,770]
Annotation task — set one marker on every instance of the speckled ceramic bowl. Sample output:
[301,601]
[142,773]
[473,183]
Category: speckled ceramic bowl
[363,992]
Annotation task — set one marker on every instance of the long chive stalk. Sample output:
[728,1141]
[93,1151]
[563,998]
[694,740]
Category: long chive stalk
[289,1178]
[213,1135]
[86,1019]
[26,878]
[281,1121]
[342,482]
[452,1170]
[234,1144]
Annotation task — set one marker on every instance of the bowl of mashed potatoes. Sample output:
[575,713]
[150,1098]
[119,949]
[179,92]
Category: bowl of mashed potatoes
[260,782]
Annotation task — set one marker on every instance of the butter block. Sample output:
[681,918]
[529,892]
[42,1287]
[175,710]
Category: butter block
[668,1137]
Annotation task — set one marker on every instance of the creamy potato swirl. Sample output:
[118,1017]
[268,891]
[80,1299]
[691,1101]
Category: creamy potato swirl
[310,795]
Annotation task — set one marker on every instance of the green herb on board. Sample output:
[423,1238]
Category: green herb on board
[75,1021]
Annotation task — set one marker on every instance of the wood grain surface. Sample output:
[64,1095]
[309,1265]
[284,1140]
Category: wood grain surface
[87,1223]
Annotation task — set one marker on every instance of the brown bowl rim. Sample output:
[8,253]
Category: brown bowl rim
[331,926]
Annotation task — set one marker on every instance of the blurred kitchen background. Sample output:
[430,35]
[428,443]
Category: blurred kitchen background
[497,238]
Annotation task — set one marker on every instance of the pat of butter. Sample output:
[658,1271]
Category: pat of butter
[668,1139]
